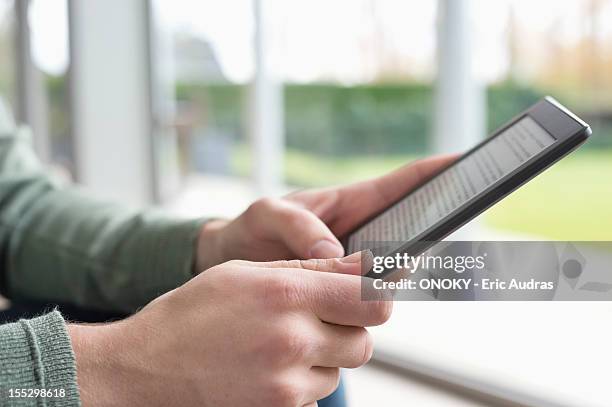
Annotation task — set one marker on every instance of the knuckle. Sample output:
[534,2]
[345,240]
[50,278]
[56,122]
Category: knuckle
[232,264]
[289,264]
[265,203]
[293,345]
[286,393]
[308,264]
[281,292]
[381,311]
[333,381]
[296,218]
[316,264]
[226,272]
[368,347]
[260,206]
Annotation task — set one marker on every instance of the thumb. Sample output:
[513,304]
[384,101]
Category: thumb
[352,264]
[303,232]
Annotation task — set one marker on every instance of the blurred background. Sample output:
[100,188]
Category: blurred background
[201,106]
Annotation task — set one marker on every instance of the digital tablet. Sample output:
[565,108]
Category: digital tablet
[511,156]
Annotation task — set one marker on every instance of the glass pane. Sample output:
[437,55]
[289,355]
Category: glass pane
[358,94]
[7,54]
[565,52]
[522,51]
[49,49]
[210,47]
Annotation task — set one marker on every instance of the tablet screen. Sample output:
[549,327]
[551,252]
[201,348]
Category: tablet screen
[455,186]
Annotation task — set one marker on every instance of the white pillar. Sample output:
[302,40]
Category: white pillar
[31,93]
[111,109]
[266,110]
[7,123]
[459,117]
[459,99]
[163,105]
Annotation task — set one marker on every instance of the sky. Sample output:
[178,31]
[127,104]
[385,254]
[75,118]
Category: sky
[342,40]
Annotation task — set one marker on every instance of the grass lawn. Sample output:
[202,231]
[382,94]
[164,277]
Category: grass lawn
[309,170]
[570,201]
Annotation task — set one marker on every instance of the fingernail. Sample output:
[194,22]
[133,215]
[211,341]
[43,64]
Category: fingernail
[324,249]
[352,258]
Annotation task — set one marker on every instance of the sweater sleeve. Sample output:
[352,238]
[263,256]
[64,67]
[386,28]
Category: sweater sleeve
[36,354]
[59,245]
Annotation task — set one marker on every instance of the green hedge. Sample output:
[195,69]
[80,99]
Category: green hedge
[373,119]
[339,120]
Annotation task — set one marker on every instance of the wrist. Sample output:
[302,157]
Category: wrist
[210,248]
[91,349]
[100,352]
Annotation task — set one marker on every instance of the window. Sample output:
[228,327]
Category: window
[33,75]
[210,45]
[563,49]
[358,88]
[48,22]
[7,55]
[358,101]
[352,85]
[359,80]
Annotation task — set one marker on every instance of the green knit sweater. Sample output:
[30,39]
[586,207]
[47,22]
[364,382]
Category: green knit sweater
[36,354]
[57,245]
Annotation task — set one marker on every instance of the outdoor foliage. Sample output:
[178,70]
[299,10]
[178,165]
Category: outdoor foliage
[337,120]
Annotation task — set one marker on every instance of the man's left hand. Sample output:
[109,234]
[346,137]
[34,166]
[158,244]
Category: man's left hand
[308,224]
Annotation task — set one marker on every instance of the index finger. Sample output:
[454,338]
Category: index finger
[363,199]
[337,299]
[396,184]
[357,263]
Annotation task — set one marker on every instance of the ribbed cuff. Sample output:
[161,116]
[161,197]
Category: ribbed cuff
[170,255]
[37,354]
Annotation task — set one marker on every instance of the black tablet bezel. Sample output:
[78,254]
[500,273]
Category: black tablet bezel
[569,132]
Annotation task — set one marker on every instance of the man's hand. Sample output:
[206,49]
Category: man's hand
[241,334]
[307,224]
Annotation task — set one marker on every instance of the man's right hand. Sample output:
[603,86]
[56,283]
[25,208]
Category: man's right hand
[242,333]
